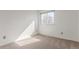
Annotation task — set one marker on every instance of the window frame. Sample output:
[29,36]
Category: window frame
[47,20]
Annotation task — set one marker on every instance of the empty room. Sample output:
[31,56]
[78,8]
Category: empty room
[39,29]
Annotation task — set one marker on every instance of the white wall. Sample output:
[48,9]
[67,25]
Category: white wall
[66,22]
[78,24]
[13,23]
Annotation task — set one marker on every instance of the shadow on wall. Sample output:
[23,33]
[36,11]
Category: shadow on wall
[27,32]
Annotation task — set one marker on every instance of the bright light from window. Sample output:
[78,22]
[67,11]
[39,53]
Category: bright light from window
[27,41]
[47,18]
[27,32]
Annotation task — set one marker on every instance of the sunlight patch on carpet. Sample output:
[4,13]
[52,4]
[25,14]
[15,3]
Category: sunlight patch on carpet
[27,41]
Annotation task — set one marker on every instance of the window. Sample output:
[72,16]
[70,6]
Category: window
[47,17]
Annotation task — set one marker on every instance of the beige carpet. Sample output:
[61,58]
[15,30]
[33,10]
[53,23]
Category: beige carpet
[42,42]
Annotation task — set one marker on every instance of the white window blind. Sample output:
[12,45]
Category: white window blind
[47,17]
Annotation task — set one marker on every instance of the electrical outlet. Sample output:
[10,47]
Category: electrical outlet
[62,33]
[4,37]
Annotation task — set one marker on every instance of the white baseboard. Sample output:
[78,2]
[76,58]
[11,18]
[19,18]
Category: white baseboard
[5,43]
[59,37]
